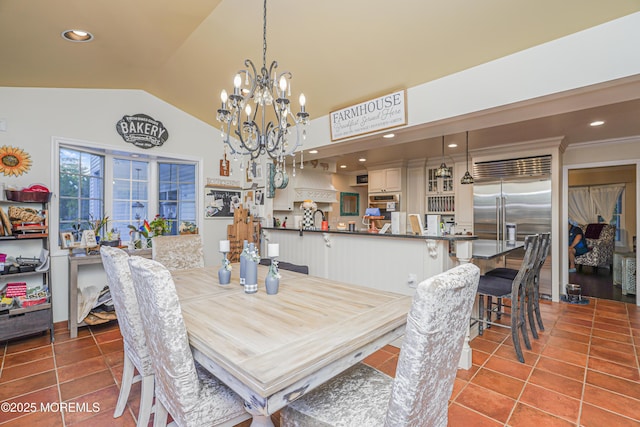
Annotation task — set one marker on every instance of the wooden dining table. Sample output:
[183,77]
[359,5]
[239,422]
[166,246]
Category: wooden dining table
[272,349]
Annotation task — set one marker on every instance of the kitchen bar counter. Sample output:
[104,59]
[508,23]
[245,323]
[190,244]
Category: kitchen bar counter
[451,237]
[489,249]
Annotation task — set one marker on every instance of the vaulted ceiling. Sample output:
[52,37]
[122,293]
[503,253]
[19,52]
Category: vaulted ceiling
[340,52]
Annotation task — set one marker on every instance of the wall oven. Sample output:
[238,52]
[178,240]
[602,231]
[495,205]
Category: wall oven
[386,202]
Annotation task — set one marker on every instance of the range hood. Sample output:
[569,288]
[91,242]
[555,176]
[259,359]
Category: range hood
[314,186]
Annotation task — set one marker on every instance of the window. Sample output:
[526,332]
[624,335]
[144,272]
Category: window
[130,199]
[177,193]
[134,195]
[81,189]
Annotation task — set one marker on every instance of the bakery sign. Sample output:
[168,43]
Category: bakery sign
[142,131]
[374,115]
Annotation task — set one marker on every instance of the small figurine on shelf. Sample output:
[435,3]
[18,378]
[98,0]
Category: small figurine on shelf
[284,224]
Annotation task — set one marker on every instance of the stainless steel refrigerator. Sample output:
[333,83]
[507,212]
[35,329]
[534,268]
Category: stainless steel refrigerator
[515,191]
[523,202]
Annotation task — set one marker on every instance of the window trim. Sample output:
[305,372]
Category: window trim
[110,152]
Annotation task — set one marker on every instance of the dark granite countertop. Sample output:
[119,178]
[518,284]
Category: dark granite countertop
[386,235]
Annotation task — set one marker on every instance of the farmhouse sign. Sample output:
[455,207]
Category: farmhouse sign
[381,113]
[142,131]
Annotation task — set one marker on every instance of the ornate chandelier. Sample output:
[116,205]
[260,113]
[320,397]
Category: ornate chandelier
[255,134]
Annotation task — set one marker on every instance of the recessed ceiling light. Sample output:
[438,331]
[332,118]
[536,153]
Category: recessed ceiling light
[452,145]
[343,166]
[596,123]
[313,151]
[389,135]
[362,159]
[77,36]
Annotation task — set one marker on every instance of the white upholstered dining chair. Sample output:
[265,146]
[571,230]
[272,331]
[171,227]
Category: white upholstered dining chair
[136,353]
[363,396]
[178,252]
[192,396]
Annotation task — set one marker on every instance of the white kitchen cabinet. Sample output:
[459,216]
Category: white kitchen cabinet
[385,180]
[283,200]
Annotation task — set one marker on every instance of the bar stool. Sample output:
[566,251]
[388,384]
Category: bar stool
[515,289]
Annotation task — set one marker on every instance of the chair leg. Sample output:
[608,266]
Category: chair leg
[125,386]
[523,324]
[481,315]
[530,315]
[489,310]
[146,401]
[160,416]
[499,312]
[536,304]
[515,334]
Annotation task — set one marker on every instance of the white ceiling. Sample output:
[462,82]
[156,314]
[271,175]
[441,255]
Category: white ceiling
[340,53]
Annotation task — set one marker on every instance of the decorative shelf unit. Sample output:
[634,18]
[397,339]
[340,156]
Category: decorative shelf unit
[440,193]
[25,316]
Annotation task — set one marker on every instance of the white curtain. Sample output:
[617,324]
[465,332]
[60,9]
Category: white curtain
[605,198]
[581,207]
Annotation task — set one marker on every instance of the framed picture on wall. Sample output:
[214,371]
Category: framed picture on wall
[219,203]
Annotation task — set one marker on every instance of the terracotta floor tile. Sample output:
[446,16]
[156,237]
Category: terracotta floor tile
[64,335]
[578,321]
[552,402]
[37,419]
[560,353]
[526,416]
[26,369]
[467,374]
[487,402]
[612,345]
[593,416]
[618,385]
[458,385]
[28,343]
[601,333]
[105,419]
[116,371]
[98,402]
[115,358]
[622,320]
[478,357]
[71,357]
[81,369]
[600,352]
[607,367]
[499,383]
[512,368]
[459,416]
[377,358]
[567,344]
[74,345]
[389,367]
[86,384]
[610,313]
[623,330]
[391,349]
[556,383]
[27,385]
[570,336]
[570,327]
[27,356]
[483,344]
[111,346]
[561,368]
[107,336]
[47,395]
[506,351]
[613,402]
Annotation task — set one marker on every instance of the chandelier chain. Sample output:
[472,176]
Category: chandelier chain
[264,36]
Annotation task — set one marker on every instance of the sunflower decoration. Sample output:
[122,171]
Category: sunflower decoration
[14,161]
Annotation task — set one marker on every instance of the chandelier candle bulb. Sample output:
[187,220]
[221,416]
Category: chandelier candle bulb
[303,101]
[225,246]
[273,250]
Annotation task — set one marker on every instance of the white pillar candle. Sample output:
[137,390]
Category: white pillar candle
[224,246]
[273,250]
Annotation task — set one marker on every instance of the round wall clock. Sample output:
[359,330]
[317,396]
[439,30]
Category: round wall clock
[281,179]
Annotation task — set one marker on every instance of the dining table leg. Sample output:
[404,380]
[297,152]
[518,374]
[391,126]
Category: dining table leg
[259,419]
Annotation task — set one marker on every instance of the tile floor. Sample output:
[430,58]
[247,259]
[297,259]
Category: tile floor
[582,371]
